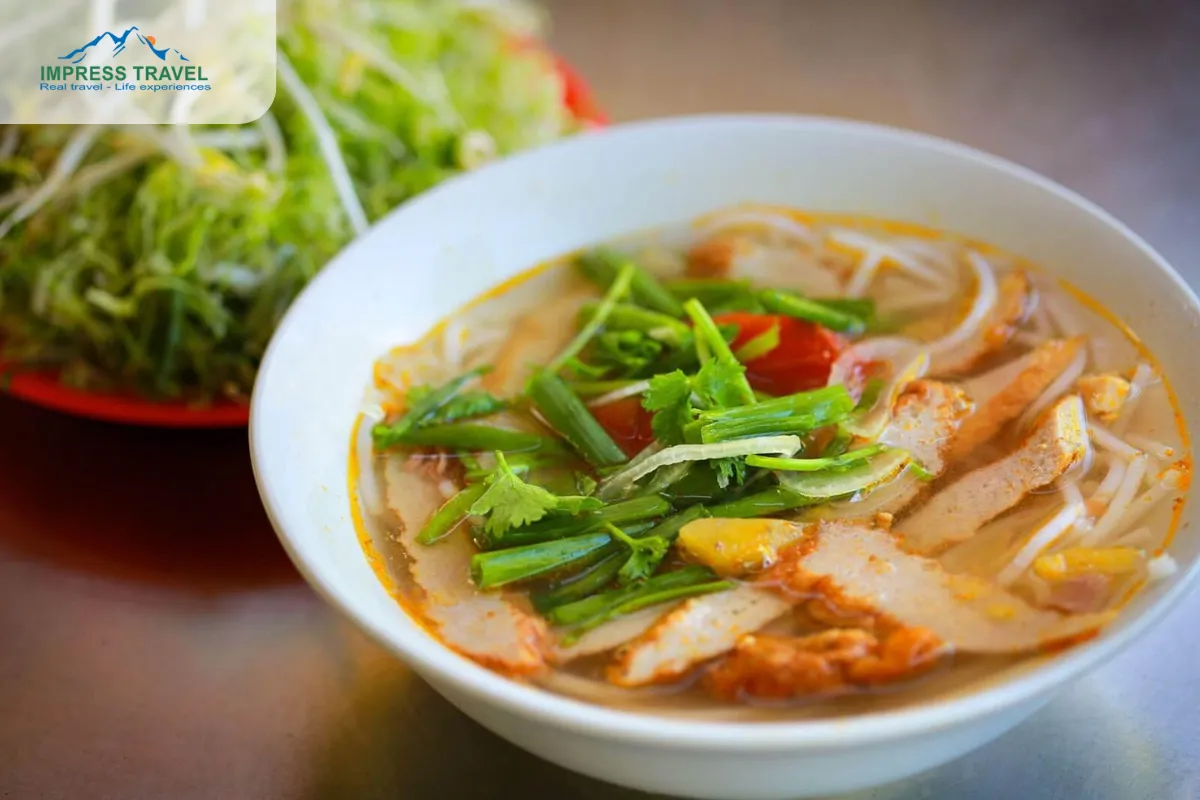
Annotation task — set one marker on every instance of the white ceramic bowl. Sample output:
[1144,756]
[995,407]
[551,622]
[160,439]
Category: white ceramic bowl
[440,250]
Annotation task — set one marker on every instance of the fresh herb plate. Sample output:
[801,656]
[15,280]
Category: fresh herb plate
[43,387]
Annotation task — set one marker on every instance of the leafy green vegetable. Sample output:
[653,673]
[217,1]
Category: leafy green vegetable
[728,386]
[576,587]
[793,305]
[644,554]
[715,385]
[634,510]
[721,384]
[669,396]
[861,307]
[627,351]
[591,612]
[761,504]
[818,464]
[730,470]
[838,445]
[601,266]
[569,416]
[167,256]
[921,472]
[468,405]
[584,483]
[502,567]
[717,295]
[423,408]
[510,502]
[658,326]
[518,462]
[595,388]
[800,413]
[479,438]
[616,292]
[452,512]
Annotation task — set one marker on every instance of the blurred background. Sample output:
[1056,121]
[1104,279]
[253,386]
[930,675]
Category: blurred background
[155,641]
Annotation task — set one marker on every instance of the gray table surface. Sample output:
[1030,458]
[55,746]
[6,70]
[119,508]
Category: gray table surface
[154,642]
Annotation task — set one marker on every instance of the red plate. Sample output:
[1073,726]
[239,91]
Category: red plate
[44,389]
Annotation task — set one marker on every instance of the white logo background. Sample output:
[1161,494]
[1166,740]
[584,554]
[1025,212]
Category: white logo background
[229,44]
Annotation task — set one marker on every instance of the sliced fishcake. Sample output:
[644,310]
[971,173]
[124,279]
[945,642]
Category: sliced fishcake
[1003,394]
[1058,442]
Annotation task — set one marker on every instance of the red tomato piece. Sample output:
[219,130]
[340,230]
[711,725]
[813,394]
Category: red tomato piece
[802,360]
[627,423]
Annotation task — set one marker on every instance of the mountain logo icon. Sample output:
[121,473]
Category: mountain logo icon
[119,45]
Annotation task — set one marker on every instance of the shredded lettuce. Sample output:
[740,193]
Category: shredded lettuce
[161,259]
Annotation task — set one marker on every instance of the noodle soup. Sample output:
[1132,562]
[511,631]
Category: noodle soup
[805,463]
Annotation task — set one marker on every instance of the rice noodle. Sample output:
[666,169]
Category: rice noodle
[364,451]
[615,485]
[326,143]
[982,388]
[869,502]
[922,248]
[1064,320]
[1160,450]
[864,273]
[454,341]
[1108,523]
[772,220]
[631,390]
[986,295]
[1150,499]
[1105,439]
[1140,538]
[1143,378]
[1057,388]
[1044,537]
[1112,481]
[874,252]
[919,299]
[1160,567]
[1040,321]
[1071,493]
[1028,338]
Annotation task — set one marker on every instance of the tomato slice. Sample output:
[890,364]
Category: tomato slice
[627,423]
[802,360]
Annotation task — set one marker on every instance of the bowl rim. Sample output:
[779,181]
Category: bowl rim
[431,658]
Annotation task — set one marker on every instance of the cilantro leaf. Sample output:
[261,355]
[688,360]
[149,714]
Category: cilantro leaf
[669,396]
[729,470]
[718,384]
[510,502]
[644,555]
[584,483]
[626,350]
